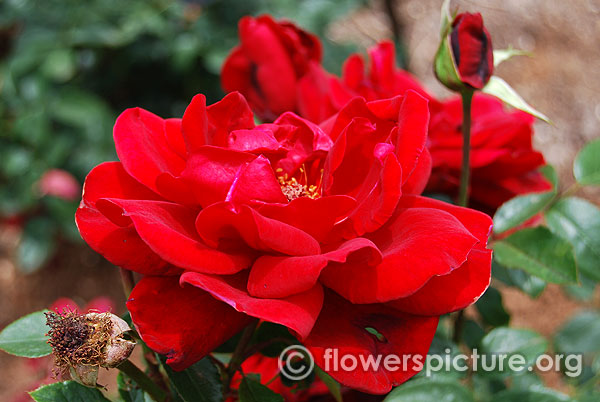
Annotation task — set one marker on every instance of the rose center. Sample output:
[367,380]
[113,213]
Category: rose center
[292,188]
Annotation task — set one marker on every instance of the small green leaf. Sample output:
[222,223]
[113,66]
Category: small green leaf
[580,335]
[518,209]
[197,383]
[578,221]
[26,337]
[253,391]
[532,285]
[472,334]
[538,252]
[332,385]
[511,341]
[491,309]
[427,390]
[501,55]
[499,88]
[67,391]
[586,167]
[534,394]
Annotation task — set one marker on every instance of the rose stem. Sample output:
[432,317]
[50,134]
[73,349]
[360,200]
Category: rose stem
[142,380]
[238,354]
[463,192]
[127,280]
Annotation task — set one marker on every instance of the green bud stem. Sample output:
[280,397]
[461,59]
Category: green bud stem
[143,381]
[463,192]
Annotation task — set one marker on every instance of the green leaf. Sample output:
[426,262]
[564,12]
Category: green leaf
[472,334]
[537,394]
[499,88]
[580,335]
[425,390]
[518,209]
[538,252]
[332,385]
[583,291]
[586,167]
[501,55]
[578,221]
[129,391]
[532,285]
[26,337]
[491,309]
[253,391]
[197,383]
[68,391]
[511,341]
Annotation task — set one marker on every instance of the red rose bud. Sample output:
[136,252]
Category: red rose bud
[465,57]
[268,63]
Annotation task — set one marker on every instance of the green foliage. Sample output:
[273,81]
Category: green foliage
[510,341]
[68,391]
[26,336]
[491,309]
[198,383]
[586,167]
[253,391]
[539,252]
[426,390]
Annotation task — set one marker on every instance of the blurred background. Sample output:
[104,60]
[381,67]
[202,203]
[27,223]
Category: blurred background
[69,67]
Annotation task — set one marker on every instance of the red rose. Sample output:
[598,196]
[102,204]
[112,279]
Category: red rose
[268,63]
[503,161]
[317,229]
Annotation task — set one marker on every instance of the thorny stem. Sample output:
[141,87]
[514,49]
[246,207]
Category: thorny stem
[238,354]
[143,381]
[463,192]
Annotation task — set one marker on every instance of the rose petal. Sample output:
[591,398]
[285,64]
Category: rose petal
[297,312]
[169,231]
[183,323]
[276,277]
[454,291]
[222,222]
[341,330]
[417,244]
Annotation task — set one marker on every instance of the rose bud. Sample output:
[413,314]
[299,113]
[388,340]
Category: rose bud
[465,59]
[81,344]
[59,183]
[268,63]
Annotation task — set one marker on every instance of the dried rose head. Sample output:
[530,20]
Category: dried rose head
[81,344]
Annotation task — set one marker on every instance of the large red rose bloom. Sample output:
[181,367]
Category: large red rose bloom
[319,229]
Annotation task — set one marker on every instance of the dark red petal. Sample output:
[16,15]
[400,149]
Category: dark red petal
[120,245]
[169,230]
[174,136]
[472,49]
[477,223]
[314,216]
[454,291]
[229,114]
[142,147]
[342,329]
[195,124]
[417,244]
[413,122]
[183,323]
[419,177]
[298,312]
[275,77]
[258,140]
[275,276]
[221,222]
